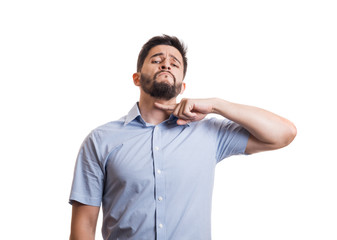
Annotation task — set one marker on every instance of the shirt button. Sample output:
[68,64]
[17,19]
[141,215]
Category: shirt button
[157,148]
[161,225]
[160,198]
[159,171]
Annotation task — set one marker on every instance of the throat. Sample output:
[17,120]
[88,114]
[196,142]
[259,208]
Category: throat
[150,113]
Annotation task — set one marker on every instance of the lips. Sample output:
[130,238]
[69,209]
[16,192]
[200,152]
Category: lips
[165,72]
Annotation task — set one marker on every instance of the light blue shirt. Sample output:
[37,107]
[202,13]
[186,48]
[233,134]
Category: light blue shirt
[154,181]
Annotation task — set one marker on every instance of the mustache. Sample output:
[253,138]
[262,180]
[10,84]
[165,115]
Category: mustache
[161,71]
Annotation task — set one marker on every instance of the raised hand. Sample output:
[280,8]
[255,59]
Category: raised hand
[188,110]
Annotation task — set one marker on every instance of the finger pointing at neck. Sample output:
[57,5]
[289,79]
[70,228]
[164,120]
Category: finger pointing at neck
[166,107]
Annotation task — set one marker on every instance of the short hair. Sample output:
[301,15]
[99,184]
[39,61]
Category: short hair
[162,40]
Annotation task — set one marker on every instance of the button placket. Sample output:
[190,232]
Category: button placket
[159,183]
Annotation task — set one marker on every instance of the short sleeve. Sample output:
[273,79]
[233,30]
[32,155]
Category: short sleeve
[231,138]
[88,181]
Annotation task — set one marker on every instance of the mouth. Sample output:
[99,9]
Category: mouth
[163,73]
[166,73]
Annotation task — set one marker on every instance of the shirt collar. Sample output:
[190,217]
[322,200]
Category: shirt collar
[134,113]
[173,120]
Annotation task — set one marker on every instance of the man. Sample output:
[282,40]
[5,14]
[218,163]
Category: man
[153,169]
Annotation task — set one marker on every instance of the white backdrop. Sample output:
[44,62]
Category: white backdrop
[66,67]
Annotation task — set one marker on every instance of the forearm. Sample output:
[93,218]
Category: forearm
[83,222]
[265,126]
[82,234]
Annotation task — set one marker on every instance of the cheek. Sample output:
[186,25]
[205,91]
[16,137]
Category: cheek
[145,78]
[179,75]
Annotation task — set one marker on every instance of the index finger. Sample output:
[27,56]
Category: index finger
[166,107]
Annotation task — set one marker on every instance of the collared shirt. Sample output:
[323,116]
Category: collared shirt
[154,181]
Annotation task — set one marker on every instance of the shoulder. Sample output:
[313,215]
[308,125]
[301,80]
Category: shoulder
[110,126]
[106,130]
[207,126]
[217,126]
[211,123]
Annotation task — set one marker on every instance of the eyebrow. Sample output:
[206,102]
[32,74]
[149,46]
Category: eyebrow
[161,54]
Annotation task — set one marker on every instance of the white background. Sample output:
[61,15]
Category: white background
[66,67]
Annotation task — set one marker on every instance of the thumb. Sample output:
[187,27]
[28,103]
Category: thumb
[182,121]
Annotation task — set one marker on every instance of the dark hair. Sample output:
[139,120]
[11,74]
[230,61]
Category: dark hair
[162,40]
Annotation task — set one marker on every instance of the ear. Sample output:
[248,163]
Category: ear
[136,79]
[183,87]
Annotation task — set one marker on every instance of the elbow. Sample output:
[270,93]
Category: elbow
[292,133]
[288,135]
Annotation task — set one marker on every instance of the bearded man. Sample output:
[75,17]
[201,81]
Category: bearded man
[153,170]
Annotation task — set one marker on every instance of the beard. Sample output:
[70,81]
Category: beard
[159,90]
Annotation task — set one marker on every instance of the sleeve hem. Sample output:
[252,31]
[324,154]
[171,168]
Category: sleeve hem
[85,200]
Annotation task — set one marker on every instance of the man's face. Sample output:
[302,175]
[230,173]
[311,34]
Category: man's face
[162,73]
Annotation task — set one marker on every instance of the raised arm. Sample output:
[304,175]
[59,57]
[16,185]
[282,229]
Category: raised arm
[268,130]
[83,222]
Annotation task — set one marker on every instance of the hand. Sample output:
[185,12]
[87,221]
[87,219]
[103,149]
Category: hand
[188,110]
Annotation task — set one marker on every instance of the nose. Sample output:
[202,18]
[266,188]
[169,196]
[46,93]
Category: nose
[165,65]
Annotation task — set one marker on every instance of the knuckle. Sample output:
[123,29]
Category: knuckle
[186,112]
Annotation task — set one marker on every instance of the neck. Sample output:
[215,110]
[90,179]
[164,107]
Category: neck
[149,112]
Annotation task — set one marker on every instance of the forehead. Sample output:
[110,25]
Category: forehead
[166,50]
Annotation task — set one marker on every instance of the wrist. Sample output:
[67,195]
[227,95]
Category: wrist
[217,105]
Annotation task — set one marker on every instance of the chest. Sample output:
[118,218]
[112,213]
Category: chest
[178,152]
